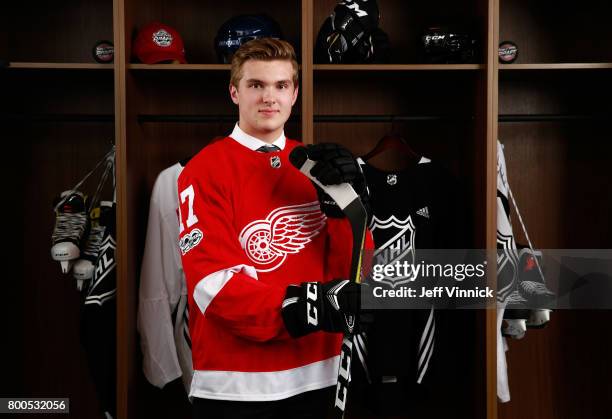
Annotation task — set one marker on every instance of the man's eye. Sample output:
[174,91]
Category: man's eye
[256,85]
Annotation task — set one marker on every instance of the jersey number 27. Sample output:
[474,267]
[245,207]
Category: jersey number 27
[187,194]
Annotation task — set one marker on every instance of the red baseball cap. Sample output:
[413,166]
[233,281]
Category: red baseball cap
[157,42]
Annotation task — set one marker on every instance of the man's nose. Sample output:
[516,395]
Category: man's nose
[268,95]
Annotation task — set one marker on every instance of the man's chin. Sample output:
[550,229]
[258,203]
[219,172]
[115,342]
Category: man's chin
[270,125]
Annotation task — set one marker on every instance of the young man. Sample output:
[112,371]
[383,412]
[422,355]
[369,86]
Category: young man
[252,235]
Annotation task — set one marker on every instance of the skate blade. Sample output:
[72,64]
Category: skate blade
[66,266]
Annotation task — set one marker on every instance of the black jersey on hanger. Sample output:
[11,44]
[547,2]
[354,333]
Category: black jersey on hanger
[412,209]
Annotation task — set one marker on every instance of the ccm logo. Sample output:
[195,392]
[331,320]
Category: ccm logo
[311,300]
[344,373]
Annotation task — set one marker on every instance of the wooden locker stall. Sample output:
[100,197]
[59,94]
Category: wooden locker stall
[58,118]
[171,112]
[554,109]
[441,111]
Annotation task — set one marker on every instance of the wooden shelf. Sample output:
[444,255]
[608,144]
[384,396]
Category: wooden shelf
[94,118]
[397,67]
[183,67]
[556,66]
[63,66]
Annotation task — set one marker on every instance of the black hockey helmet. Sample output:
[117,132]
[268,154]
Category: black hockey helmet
[241,29]
[443,44]
[346,36]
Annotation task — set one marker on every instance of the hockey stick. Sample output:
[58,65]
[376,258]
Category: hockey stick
[350,204]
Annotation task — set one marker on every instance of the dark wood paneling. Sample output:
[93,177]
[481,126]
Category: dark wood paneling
[198,21]
[50,157]
[559,174]
[445,143]
[64,31]
[405,22]
[307,75]
[126,298]
[50,358]
[184,93]
[557,31]
[555,92]
[74,92]
[4,42]
[558,170]
[448,93]
[562,372]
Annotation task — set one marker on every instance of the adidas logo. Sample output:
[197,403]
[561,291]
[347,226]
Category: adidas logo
[423,212]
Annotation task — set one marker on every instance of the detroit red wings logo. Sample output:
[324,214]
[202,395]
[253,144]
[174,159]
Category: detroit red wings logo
[285,230]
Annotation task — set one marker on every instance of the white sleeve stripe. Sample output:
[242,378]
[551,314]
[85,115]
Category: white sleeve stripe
[430,320]
[209,286]
[429,346]
[424,370]
[361,343]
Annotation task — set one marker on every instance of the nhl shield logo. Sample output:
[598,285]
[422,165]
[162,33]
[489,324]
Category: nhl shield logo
[275,162]
[398,246]
[391,179]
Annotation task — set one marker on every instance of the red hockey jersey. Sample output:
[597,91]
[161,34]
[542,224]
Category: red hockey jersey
[250,226]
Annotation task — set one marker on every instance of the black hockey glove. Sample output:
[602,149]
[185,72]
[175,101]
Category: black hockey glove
[314,306]
[335,165]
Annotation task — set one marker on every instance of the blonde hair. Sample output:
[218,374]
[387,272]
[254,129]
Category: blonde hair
[264,49]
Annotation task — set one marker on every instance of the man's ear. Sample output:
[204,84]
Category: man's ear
[295,95]
[233,93]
